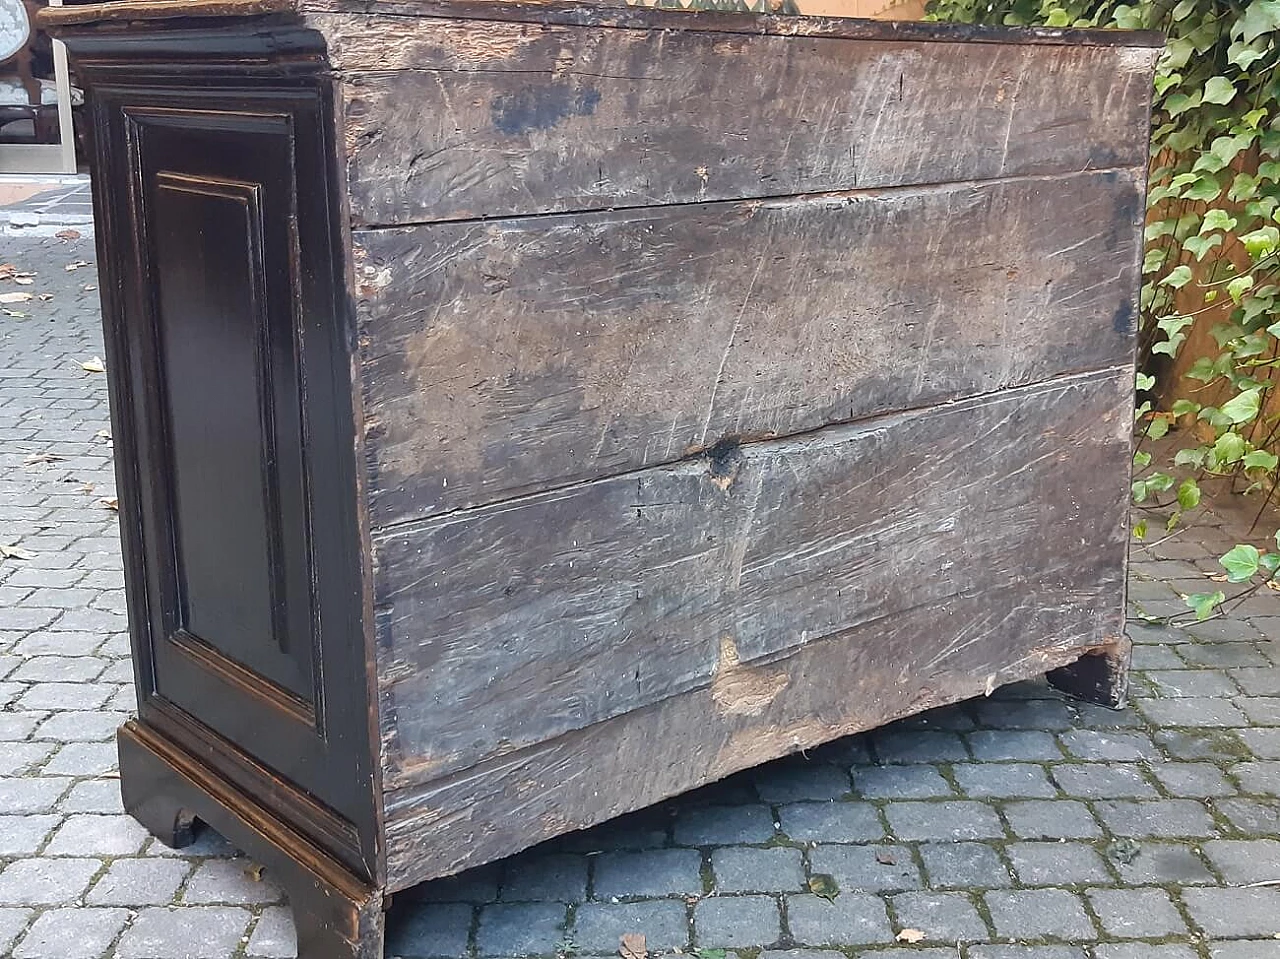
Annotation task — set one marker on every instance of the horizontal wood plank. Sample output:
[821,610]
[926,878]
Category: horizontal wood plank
[504,627]
[503,358]
[444,121]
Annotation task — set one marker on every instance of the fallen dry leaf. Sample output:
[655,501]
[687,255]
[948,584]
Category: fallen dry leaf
[41,458]
[1220,579]
[23,279]
[910,935]
[885,858]
[7,270]
[94,365]
[15,552]
[103,435]
[75,265]
[254,871]
[1272,584]
[89,287]
[68,234]
[20,296]
[109,502]
[17,314]
[824,886]
[632,946]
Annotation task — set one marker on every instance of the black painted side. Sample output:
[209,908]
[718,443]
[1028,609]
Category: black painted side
[229,343]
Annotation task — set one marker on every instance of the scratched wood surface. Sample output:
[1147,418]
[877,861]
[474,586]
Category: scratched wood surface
[502,358]
[507,625]
[446,121]
[958,540]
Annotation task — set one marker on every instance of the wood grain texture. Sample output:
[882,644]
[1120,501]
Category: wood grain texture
[444,122]
[511,625]
[502,358]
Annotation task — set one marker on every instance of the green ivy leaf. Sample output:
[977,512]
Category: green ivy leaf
[1198,246]
[1243,407]
[1240,562]
[1202,369]
[1219,90]
[1153,260]
[1244,54]
[1217,220]
[1260,459]
[1141,459]
[1261,242]
[1140,529]
[1188,494]
[1270,563]
[1206,189]
[1191,457]
[1204,603]
[1261,16]
[1178,277]
[1179,103]
[1228,449]
[1185,407]
[1243,187]
[1240,286]
[1145,382]
[1158,427]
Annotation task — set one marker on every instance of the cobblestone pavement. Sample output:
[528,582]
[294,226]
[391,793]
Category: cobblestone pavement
[1019,827]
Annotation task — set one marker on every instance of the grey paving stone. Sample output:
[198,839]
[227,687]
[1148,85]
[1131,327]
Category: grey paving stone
[1263,743]
[720,825]
[1144,950]
[854,918]
[955,820]
[192,932]
[1160,863]
[1103,781]
[1233,913]
[50,643]
[1191,712]
[809,954]
[1028,714]
[83,759]
[31,795]
[1193,780]
[866,868]
[600,926]
[994,745]
[1244,861]
[747,869]
[23,835]
[15,727]
[897,745]
[941,916]
[1258,681]
[1222,655]
[1261,711]
[1137,913]
[736,921]
[1192,683]
[1093,744]
[1039,913]
[796,781]
[1057,863]
[657,872]
[59,669]
[274,936]
[900,782]
[64,696]
[12,922]
[1005,951]
[1156,657]
[424,931]
[1251,816]
[1051,819]
[79,726]
[71,934]
[1215,744]
[1158,817]
[831,822]
[560,877]
[1243,949]
[1003,780]
[139,882]
[520,929]
[94,795]
[90,835]
[963,865]
[17,759]
[46,882]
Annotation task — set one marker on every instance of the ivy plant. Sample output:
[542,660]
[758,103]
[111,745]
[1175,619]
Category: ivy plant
[1212,246]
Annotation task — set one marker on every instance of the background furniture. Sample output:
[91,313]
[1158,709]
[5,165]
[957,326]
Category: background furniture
[524,413]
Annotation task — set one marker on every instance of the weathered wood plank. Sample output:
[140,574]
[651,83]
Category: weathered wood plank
[503,358]
[443,121]
[506,626]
